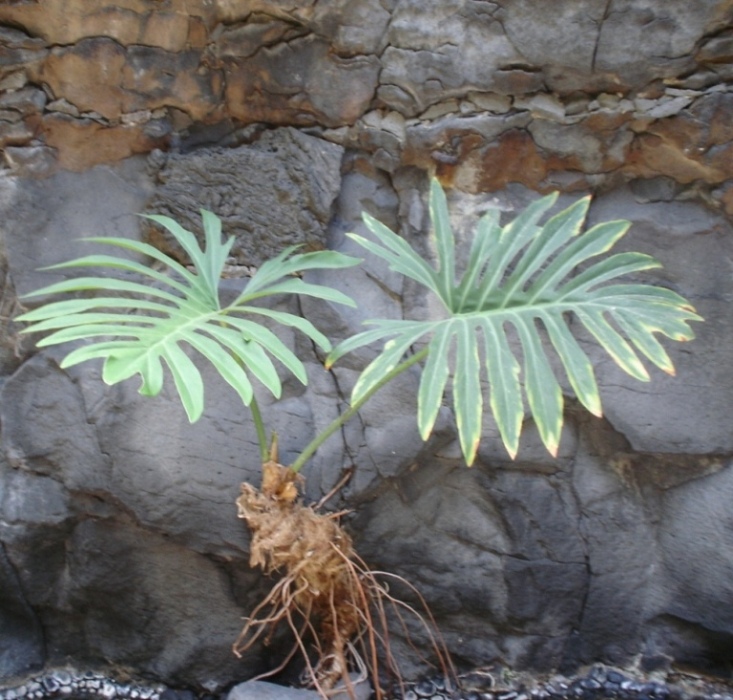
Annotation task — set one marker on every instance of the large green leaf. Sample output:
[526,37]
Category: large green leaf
[151,319]
[532,278]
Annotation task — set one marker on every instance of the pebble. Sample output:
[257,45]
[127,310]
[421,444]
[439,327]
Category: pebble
[68,683]
[599,684]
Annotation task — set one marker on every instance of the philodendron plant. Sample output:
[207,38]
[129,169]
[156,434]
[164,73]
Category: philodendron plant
[525,275]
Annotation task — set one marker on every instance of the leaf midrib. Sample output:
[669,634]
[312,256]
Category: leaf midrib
[178,332]
[552,306]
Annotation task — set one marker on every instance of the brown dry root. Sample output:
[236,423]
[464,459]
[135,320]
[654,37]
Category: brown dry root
[326,593]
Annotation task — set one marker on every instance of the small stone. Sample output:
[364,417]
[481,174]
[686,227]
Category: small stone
[442,685]
[50,684]
[336,135]
[425,689]
[542,106]
[63,677]
[440,110]
[14,81]
[608,101]
[643,105]
[63,106]
[15,133]
[139,117]
[669,108]
[26,101]
[394,122]
[491,102]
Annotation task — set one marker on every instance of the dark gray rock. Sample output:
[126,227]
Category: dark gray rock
[271,194]
[536,563]
[62,209]
[690,241]
[19,622]
[118,535]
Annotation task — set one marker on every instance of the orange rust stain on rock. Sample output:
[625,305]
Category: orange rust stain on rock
[663,154]
[606,121]
[82,143]
[514,158]
[87,75]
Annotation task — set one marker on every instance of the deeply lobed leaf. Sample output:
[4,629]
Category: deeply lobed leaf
[182,309]
[522,276]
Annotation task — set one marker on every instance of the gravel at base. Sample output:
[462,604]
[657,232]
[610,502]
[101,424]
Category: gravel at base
[598,684]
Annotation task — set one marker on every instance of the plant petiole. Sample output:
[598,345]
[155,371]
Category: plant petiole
[343,418]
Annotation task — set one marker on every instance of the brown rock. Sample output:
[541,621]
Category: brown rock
[66,22]
[83,143]
[87,75]
[719,49]
[15,133]
[661,154]
[697,144]
[300,82]
[99,75]
[165,30]
[198,34]
[153,78]
[475,163]
[514,158]
[243,41]
[596,144]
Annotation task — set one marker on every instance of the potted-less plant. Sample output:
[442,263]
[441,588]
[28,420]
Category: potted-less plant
[524,275]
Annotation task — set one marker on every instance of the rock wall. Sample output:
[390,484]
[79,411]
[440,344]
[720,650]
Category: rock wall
[118,541]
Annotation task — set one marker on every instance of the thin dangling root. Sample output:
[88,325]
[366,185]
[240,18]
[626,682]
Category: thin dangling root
[326,593]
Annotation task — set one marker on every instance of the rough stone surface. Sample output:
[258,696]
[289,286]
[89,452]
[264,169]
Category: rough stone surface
[274,193]
[260,690]
[118,541]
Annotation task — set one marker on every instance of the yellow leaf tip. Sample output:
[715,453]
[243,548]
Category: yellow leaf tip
[553,446]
